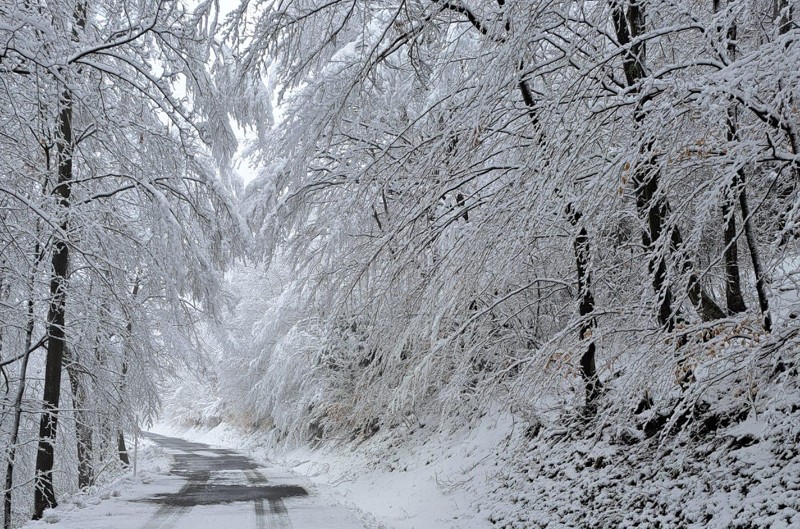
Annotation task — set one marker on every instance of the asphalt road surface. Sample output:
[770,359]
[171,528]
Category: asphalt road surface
[212,488]
[224,489]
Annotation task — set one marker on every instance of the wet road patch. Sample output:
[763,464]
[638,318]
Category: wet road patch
[221,461]
[215,494]
[209,473]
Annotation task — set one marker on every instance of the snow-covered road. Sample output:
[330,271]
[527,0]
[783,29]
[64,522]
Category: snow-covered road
[211,488]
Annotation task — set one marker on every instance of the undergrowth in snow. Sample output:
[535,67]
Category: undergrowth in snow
[743,476]
[724,462]
[405,478]
[105,495]
[699,428]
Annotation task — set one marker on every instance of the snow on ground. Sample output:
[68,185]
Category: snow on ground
[742,476]
[186,486]
[109,505]
[731,467]
[414,480]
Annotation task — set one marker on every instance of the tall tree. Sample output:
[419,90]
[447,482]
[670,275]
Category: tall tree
[44,493]
[141,180]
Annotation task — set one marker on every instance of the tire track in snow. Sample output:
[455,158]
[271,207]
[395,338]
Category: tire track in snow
[261,519]
[255,477]
[165,516]
[279,517]
[281,521]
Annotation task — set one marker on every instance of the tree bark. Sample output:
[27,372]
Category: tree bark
[592,383]
[122,450]
[755,259]
[654,211]
[645,179]
[733,289]
[733,286]
[739,192]
[654,207]
[783,14]
[83,427]
[44,494]
[580,244]
[23,371]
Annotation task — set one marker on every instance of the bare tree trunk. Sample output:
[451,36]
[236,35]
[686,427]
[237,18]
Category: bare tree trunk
[44,494]
[755,259]
[653,206]
[83,427]
[740,189]
[585,308]
[23,371]
[703,303]
[122,450]
[733,286]
[783,14]
[582,252]
[581,242]
[654,211]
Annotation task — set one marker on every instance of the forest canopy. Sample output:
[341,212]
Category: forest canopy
[585,211]
[546,203]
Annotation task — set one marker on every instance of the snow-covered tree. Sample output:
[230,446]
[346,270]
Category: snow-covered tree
[483,196]
[117,193]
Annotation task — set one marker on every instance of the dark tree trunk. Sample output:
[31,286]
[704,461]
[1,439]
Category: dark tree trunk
[83,427]
[755,259]
[581,243]
[122,450]
[585,308]
[704,304]
[654,210]
[740,189]
[733,286]
[783,15]
[653,206]
[44,494]
[23,372]
[582,251]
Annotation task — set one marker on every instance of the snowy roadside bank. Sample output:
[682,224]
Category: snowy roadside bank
[101,501]
[422,481]
[731,465]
